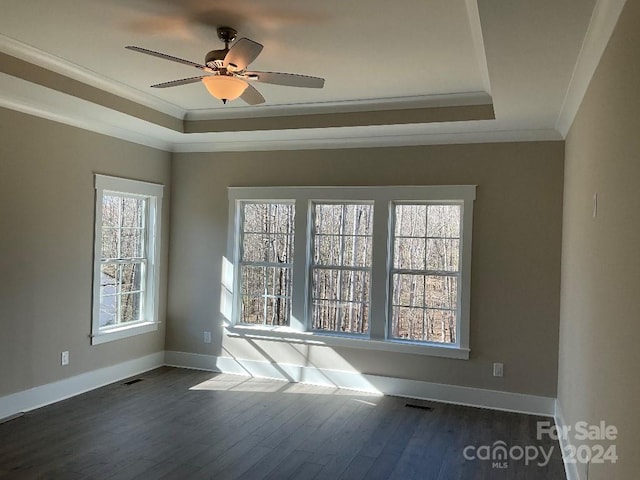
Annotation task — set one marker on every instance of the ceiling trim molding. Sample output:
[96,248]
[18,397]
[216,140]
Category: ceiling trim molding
[475,25]
[349,119]
[72,111]
[344,106]
[92,126]
[38,101]
[61,66]
[373,140]
[603,21]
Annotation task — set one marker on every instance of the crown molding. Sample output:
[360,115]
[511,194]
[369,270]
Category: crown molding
[343,106]
[39,101]
[603,21]
[372,138]
[475,26]
[59,65]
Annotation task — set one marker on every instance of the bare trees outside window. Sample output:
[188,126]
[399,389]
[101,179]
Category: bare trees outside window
[123,259]
[425,273]
[341,268]
[266,261]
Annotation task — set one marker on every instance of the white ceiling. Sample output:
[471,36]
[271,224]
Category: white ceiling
[520,54]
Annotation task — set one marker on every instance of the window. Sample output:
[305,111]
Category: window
[385,268]
[341,268]
[127,241]
[266,257]
[425,272]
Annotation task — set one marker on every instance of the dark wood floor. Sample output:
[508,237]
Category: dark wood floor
[184,424]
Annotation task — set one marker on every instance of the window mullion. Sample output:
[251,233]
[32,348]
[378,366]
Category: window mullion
[299,270]
[379,272]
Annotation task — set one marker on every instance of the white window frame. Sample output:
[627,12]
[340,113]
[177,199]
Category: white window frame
[383,198]
[153,193]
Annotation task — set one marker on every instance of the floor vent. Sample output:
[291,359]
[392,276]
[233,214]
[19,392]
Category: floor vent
[131,382]
[421,407]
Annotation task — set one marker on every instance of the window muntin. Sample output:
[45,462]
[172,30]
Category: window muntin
[341,266]
[266,260]
[425,272]
[126,258]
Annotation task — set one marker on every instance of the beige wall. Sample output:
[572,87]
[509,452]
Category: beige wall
[515,268]
[46,247]
[600,311]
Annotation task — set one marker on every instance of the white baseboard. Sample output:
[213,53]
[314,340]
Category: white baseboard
[571,469]
[53,392]
[476,397]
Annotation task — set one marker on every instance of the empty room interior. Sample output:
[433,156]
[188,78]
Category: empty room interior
[270,239]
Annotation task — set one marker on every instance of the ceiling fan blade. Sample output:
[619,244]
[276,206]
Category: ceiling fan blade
[168,57]
[286,79]
[175,83]
[252,96]
[241,54]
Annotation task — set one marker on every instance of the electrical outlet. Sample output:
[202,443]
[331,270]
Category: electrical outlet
[498,369]
[64,358]
[207,337]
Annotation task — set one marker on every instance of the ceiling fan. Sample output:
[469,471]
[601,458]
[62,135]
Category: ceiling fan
[226,75]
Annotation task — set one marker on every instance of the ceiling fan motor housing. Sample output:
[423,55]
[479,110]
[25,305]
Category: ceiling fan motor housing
[214,58]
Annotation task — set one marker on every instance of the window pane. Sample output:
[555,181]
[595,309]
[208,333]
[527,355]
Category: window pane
[271,248]
[443,221]
[441,292]
[443,254]
[343,219]
[408,290]
[111,209]
[131,243]
[441,326]
[133,210]
[108,310]
[328,219]
[108,278]
[409,253]
[344,285]
[260,281]
[109,243]
[268,217]
[326,250]
[252,310]
[357,251]
[131,276]
[424,324]
[410,220]
[340,300]
[343,317]
[130,307]
[277,312]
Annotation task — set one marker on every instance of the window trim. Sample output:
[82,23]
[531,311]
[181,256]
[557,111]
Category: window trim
[383,197]
[137,189]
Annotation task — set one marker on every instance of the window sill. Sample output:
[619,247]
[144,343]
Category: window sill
[123,332]
[285,334]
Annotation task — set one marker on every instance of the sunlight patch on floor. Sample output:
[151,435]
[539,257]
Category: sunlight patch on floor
[237,383]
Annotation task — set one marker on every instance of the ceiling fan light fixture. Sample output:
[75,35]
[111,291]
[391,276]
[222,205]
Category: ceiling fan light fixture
[224,87]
